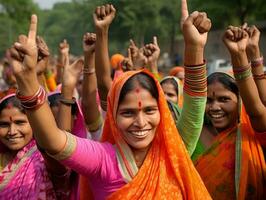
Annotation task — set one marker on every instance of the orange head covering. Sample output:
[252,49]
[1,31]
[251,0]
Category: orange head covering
[167,171]
[175,70]
[116,60]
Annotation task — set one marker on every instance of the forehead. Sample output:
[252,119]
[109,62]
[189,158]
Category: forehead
[132,98]
[218,89]
[11,112]
[168,86]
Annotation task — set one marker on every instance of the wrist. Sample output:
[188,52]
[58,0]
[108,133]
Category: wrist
[194,55]
[239,59]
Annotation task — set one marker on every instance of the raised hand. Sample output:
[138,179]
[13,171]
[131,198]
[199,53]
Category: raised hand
[127,64]
[236,40]
[24,52]
[103,16]
[253,50]
[152,53]
[43,55]
[89,40]
[71,74]
[64,53]
[195,26]
[139,60]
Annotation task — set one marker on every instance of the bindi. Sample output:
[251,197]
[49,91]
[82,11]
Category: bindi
[9,106]
[139,100]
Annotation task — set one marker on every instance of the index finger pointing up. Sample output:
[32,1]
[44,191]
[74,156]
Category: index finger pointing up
[184,12]
[155,40]
[33,27]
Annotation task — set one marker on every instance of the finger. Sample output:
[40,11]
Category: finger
[107,9]
[244,26]
[132,43]
[113,10]
[229,34]
[98,12]
[21,48]
[78,64]
[15,54]
[199,19]
[129,53]
[102,12]
[184,12]
[205,26]
[33,27]
[192,17]
[155,42]
[22,39]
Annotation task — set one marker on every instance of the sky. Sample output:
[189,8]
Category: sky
[48,4]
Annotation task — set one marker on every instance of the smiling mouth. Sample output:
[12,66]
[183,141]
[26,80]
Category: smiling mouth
[216,116]
[14,139]
[140,133]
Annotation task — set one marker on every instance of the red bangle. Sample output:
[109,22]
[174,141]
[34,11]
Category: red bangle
[257,62]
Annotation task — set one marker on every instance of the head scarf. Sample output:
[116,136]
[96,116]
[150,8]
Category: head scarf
[175,70]
[167,171]
[180,88]
[116,60]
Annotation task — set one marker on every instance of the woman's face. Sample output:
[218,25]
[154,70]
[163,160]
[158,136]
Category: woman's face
[221,107]
[170,92]
[137,118]
[15,130]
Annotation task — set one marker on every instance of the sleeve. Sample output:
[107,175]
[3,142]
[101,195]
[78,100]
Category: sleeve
[87,157]
[191,120]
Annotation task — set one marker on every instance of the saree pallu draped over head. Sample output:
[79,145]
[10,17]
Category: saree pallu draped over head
[167,171]
[25,176]
[234,166]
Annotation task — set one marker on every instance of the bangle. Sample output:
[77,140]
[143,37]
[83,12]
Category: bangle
[67,102]
[242,73]
[257,62]
[88,71]
[259,76]
[32,102]
[94,126]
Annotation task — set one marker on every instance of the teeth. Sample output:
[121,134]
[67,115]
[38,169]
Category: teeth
[139,133]
[216,116]
[13,139]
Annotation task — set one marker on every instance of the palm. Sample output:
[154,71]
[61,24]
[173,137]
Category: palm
[72,73]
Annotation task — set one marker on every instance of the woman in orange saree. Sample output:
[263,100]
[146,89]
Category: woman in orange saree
[233,167]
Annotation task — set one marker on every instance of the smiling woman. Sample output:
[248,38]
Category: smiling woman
[23,169]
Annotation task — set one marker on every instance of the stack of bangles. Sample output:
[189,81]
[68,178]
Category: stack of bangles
[258,63]
[196,80]
[32,102]
[242,73]
[88,71]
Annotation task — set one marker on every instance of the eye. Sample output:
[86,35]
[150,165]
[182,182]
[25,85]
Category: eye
[209,100]
[224,99]
[4,124]
[20,122]
[150,110]
[127,113]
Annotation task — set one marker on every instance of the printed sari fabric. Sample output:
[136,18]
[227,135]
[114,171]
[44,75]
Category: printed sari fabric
[234,166]
[167,171]
[26,177]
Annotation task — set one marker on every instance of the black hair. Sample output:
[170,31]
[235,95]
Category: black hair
[227,81]
[54,101]
[144,81]
[171,81]
[11,101]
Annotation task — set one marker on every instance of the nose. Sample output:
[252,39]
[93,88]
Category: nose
[140,120]
[214,106]
[12,129]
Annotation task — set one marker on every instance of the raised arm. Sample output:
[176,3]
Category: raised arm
[195,28]
[256,60]
[24,60]
[103,17]
[63,54]
[90,108]
[236,40]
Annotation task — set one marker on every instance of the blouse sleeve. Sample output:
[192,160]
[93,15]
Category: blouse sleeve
[191,119]
[87,157]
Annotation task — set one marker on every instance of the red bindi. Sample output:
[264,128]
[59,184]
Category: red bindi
[138,96]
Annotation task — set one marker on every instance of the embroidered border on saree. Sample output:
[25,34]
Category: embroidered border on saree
[9,173]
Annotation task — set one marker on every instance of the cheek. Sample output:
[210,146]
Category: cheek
[3,132]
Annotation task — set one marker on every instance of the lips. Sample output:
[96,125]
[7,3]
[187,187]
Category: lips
[14,139]
[140,133]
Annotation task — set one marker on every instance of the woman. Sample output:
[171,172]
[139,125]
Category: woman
[25,173]
[227,145]
[172,89]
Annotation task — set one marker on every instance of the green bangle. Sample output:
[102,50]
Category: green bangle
[243,75]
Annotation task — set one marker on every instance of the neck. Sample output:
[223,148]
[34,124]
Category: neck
[140,155]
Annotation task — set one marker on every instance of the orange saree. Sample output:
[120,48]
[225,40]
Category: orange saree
[234,166]
[167,172]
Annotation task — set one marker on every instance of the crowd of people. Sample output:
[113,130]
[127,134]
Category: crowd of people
[96,127]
